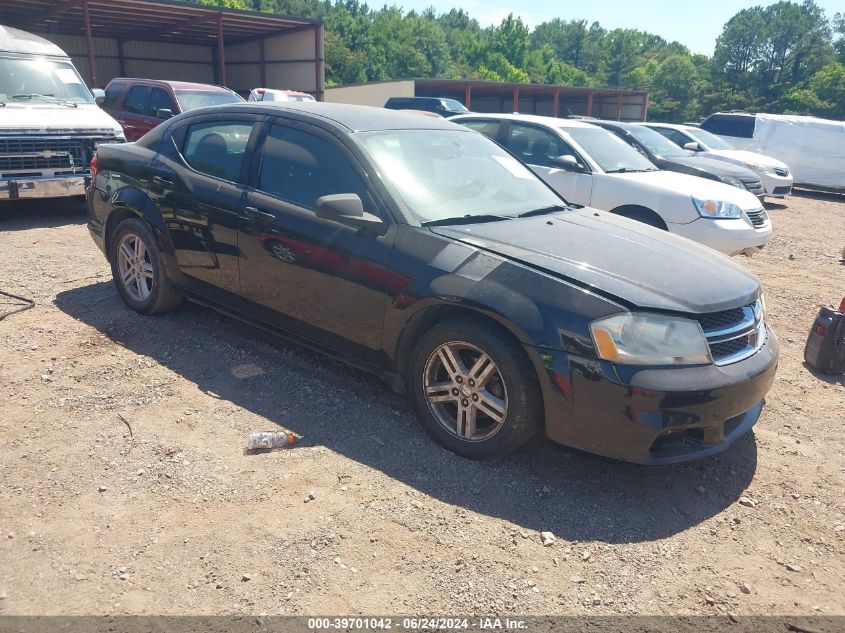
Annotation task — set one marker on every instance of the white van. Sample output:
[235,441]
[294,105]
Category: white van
[49,122]
[814,148]
[590,166]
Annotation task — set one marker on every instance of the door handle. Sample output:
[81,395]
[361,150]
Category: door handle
[164,182]
[252,212]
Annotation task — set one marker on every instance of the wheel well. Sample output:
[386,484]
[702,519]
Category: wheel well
[423,321]
[641,214]
[115,217]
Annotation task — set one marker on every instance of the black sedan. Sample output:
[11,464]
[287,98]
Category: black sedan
[666,155]
[422,251]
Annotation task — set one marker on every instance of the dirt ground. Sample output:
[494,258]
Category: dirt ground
[171,517]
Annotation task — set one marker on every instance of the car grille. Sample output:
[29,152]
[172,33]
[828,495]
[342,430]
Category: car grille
[753,185]
[781,171]
[28,155]
[734,334]
[759,218]
[781,191]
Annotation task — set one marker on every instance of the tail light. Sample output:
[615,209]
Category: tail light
[842,305]
[94,167]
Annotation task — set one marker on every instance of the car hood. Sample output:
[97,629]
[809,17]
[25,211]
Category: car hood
[56,119]
[624,260]
[674,182]
[745,156]
[717,167]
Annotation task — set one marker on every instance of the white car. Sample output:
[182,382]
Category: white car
[775,175]
[270,94]
[590,166]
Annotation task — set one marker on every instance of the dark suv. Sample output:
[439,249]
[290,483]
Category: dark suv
[422,251]
[439,105]
[141,104]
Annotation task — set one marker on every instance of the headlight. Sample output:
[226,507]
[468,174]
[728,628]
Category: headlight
[763,169]
[650,339]
[716,209]
[733,182]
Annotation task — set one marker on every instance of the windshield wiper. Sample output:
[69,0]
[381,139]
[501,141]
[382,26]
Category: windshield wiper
[46,96]
[627,170]
[466,219]
[543,211]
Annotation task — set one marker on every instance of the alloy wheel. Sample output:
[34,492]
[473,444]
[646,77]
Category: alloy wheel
[135,267]
[465,391]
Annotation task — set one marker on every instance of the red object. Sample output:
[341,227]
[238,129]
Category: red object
[138,121]
[842,305]
[94,167]
[820,330]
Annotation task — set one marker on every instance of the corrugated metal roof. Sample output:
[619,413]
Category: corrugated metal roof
[150,20]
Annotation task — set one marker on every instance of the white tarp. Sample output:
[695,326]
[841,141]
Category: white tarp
[814,149]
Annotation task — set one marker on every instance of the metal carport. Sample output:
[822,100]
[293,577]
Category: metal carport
[167,39]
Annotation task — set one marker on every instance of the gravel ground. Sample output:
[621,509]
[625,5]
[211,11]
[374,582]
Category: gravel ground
[126,489]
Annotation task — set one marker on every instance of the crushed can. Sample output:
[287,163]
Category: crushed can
[825,348]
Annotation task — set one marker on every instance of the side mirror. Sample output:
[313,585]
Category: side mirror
[692,147]
[99,95]
[568,162]
[347,208]
[164,113]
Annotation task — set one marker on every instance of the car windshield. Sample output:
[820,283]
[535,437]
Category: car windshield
[611,153]
[195,99]
[40,80]
[706,138]
[454,106]
[655,142]
[439,174]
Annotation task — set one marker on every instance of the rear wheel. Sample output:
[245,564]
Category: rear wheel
[138,269]
[475,390]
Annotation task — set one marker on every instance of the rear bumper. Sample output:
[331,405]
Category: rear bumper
[28,188]
[655,416]
[728,236]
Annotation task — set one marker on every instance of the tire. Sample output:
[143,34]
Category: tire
[147,288]
[445,398]
[646,216]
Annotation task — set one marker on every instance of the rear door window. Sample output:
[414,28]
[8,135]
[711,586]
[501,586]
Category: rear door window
[217,148]
[136,100]
[490,129]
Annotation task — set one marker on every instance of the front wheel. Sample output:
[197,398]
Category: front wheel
[475,390]
[138,269]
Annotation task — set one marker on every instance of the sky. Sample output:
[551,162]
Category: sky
[695,24]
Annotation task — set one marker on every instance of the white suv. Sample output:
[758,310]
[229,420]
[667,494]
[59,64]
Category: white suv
[775,175]
[590,166]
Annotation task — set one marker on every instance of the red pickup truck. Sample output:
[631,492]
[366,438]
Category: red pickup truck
[141,104]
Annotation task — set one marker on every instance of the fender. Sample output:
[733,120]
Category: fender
[132,201]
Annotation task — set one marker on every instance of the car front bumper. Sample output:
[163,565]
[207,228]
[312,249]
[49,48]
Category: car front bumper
[731,237]
[654,416]
[26,188]
[776,186]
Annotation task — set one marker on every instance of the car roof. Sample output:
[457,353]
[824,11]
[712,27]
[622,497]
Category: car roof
[280,91]
[673,126]
[17,41]
[549,121]
[354,118]
[176,85]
